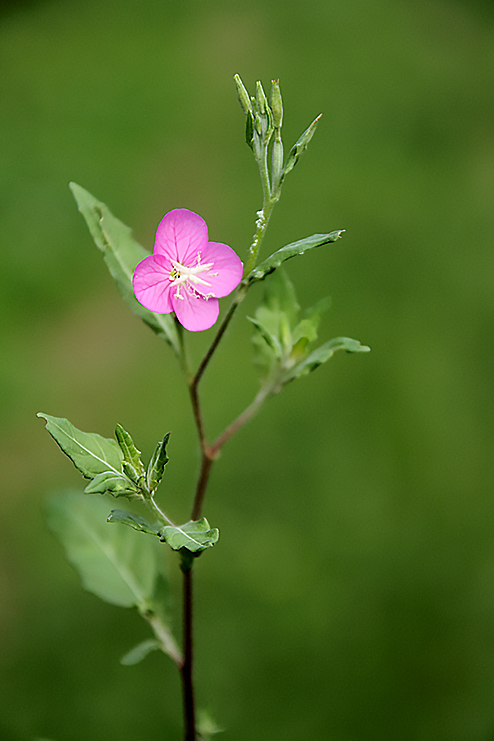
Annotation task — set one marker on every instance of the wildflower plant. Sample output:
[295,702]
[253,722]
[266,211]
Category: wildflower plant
[120,554]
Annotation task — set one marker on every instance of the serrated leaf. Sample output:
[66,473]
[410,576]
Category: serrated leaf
[129,451]
[139,652]
[135,521]
[324,353]
[115,563]
[117,485]
[89,452]
[157,465]
[290,250]
[122,254]
[195,536]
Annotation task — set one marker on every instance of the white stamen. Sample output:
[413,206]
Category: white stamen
[189,277]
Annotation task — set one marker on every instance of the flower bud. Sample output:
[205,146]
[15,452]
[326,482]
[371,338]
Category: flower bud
[276,103]
[243,95]
[262,101]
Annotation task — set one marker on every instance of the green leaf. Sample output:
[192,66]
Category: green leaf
[273,320]
[322,354]
[139,652]
[271,340]
[135,521]
[195,536]
[157,465]
[117,485]
[89,452]
[299,147]
[131,455]
[290,250]
[307,328]
[206,726]
[115,563]
[122,254]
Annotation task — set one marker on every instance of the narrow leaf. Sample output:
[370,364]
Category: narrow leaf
[89,452]
[299,147]
[139,652]
[195,536]
[115,563]
[157,465]
[135,521]
[267,336]
[112,483]
[129,451]
[324,353]
[122,253]
[290,250]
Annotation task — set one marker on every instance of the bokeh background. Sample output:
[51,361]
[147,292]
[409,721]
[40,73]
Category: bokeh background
[351,597]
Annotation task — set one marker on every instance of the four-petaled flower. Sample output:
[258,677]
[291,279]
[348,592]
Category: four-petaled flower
[186,273]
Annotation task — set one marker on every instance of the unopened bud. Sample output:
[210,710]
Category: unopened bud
[243,95]
[276,103]
[262,101]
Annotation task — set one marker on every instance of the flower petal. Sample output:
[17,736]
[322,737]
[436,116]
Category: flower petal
[196,313]
[226,263]
[180,234]
[151,284]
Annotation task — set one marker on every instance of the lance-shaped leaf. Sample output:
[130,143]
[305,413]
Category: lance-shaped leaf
[139,652]
[157,465]
[135,521]
[322,354]
[290,250]
[122,253]
[299,148]
[115,484]
[89,452]
[132,457]
[195,536]
[115,563]
[271,339]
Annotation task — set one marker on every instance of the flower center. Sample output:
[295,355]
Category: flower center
[188,277]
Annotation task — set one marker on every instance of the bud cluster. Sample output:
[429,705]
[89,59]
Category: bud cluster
[263,132]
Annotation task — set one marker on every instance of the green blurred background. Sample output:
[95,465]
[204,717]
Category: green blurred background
[384,627]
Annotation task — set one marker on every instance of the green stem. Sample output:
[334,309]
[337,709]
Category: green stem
[154,508]
[168,645]
[241,420]
[263,215]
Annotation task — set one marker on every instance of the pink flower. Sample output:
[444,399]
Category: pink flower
[186,273]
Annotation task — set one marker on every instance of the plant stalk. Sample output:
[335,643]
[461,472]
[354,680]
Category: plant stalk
[186,668]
